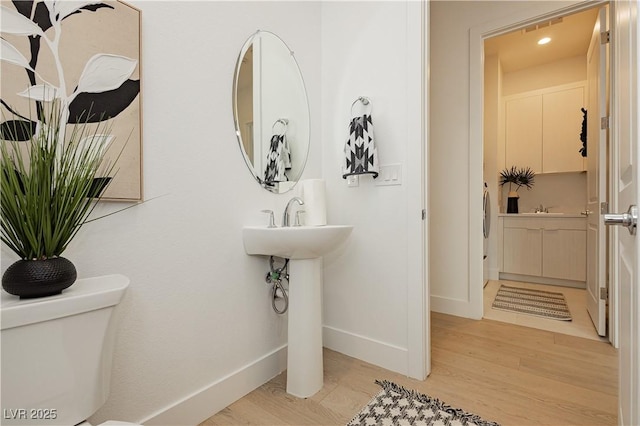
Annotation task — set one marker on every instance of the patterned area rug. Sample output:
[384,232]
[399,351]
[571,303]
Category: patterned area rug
[545,304]
[395,405]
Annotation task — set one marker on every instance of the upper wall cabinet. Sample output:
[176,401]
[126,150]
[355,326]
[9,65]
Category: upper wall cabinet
[523,132]
[542,129]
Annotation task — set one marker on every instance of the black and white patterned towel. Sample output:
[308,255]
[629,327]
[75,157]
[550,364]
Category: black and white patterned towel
[361,155]
[278,160]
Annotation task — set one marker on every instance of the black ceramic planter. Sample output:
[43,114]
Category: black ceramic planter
[512,205]
[39,278]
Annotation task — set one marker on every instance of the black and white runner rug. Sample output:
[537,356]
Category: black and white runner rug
[396,405]
[545,304]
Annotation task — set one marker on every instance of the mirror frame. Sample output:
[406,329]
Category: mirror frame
[277,187]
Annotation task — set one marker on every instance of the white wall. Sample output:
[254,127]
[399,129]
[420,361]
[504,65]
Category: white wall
[373,49]
[557,73]
[492,156]
[197,314]
[196,330]
[559,192]
[453,273]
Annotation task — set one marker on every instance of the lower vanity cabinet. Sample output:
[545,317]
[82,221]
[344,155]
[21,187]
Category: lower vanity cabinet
[564,254]
[522,252]
[549,247]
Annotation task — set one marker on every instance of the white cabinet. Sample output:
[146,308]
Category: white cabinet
[523,254]
[561,127]
[542,129]
[546,247]
[564,254]
[523,132]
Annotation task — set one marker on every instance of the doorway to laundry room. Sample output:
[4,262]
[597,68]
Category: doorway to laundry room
[542,177]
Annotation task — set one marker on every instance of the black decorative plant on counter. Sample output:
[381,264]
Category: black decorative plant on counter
[523,176]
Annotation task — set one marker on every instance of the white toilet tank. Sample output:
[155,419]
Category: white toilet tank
[57,352]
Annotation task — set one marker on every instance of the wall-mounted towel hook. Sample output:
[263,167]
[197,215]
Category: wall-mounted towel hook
[284,122]
[364,101]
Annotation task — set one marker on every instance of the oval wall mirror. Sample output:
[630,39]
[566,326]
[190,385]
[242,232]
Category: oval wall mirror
[271,112]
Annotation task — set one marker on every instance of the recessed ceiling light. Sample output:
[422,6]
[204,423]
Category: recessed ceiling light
[544,40]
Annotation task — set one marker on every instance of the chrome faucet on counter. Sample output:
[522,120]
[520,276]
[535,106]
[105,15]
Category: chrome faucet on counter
[286,214]
[541,209]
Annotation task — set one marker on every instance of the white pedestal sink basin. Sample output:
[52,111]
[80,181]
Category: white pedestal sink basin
[294,242]
[304,246]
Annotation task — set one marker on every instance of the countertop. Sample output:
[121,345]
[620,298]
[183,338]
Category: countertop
[544,215]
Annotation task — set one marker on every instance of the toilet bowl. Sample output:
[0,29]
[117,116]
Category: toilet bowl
[57,352]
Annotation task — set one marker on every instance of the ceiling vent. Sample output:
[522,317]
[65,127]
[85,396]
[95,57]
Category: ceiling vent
[544,24]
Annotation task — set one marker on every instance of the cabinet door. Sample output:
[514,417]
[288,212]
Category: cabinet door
[522,251]
[562,124]
[564,254]
[523,132]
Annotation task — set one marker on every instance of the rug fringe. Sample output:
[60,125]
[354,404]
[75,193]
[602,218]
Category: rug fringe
[466,417]
[390,386]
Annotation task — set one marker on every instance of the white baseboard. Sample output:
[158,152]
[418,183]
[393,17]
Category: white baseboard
[457,307]
[543,280]
[494,274]
[382,354]
[204,403]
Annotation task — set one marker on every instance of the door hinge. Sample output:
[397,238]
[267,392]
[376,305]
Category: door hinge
[604,123]
[605,37]
[424,214]
[604,293]
[604,207]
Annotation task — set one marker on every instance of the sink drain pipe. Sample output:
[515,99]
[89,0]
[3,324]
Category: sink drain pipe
[274,277]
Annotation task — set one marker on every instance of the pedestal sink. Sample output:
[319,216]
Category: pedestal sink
[304,246]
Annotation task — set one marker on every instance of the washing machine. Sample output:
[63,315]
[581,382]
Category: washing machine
[486,227]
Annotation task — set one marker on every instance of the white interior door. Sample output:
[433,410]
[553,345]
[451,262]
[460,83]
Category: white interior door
[625,177]
[596,174]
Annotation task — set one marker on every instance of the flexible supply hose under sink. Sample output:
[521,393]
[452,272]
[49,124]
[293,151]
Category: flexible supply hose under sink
[274,277]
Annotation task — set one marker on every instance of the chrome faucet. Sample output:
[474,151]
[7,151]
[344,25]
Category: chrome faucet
[286,214]
[542,209]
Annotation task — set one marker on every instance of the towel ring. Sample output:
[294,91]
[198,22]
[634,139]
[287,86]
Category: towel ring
[284,123]
[364,101]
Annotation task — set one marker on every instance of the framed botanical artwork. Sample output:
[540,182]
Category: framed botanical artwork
[86,55]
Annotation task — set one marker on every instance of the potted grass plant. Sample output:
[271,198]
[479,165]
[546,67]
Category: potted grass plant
[50,184]
[522,176]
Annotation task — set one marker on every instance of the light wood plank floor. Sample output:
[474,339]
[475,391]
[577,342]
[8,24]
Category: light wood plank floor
[579,326]
[503,372]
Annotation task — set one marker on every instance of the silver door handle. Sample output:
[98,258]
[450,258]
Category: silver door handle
[628,219]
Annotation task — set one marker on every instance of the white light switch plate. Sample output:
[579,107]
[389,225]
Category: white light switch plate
[390,174]
[353,180]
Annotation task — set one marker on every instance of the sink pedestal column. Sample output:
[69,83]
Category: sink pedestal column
[304,353]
